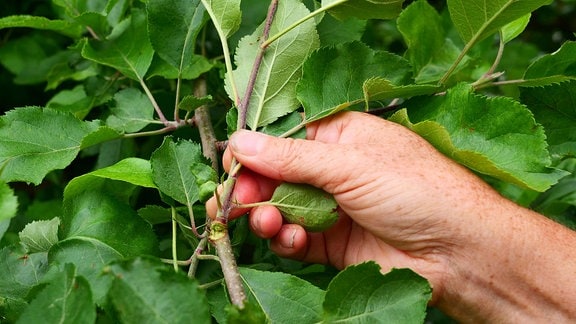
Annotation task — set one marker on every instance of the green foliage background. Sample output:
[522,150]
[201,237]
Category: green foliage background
[86,221]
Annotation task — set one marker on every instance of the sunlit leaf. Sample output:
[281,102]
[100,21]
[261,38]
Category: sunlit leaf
[515,28]
[495,136]
[39,236]
[61,26]
[227,15]
[274,92]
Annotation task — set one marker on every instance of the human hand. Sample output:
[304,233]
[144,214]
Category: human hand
[403,204]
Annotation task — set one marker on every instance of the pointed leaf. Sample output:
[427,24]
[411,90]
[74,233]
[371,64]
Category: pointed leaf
[364,9]
[515,28]
[274,92]
[552,68]
[35,141]
[289,299]
[227,15]
[66,299]
[305,205]
[132,111]
[171,170]
[173,26]
[478,19]
[127,49]
[8,202]
[553,107]
[495,136]
[361,294]
[144,291]
[61,26]
[333,77]
[39,236]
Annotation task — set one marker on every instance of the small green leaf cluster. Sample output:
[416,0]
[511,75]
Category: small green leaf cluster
[112,111]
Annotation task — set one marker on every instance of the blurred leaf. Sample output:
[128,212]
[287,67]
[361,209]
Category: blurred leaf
[131,112]
[189,103]
[35,141]
[127,49]
[553,68]
[274,92]
[198,65]
[66,299]
[478,19]
[289,299]
[553,107]
[39,236]
[333,31]
[20,271]
[173,26]
[144,291]
[333,77]
[61,26]
[74,101]
[515,28]
[226,15]
[361,294]
[365,9]
[494,136]
[8,202]
[380,89]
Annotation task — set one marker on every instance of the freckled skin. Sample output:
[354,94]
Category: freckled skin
[404,204]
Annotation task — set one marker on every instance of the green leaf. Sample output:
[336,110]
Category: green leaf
[189,103]
[553,68]
[333,77]
[288,300]
[144,291]
[132,111]
[227,15]
[553,107]
[198,65]
[364,9]
[20,271]
[66,299]
[35,141]
[478,19]
[8,202]
[61,26]
[95,215]
[494,136]
[127,49]
[380,89]
[361,294]
[171,169]
[39,236]
[515,28]
[333,31]
[274,92]
[305,205]
[174,26]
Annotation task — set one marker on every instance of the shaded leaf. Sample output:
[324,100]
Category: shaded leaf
[173,27]
[61,26]
[35,141]
[198,65]
[39,236]
[66,299]
[20,271]
[553,68]
[478,19]
[274,92]
[364,9]
[131,112]
[8,202]
[553,107]
[189,103]
[333,77]
[305,205]
[144,291]
[494,136]
[361,294]
[289,299]
[127,49]
[333,31]
[380,89]
[171,169]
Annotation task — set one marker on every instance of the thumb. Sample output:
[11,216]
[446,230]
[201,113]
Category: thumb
[293,160]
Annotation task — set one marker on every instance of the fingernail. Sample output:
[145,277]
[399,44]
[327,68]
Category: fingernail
[288,244]
[246,142]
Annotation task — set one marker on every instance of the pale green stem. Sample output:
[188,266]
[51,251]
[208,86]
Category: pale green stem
[174,237]
[303,19]
[226,51]
[153,101]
